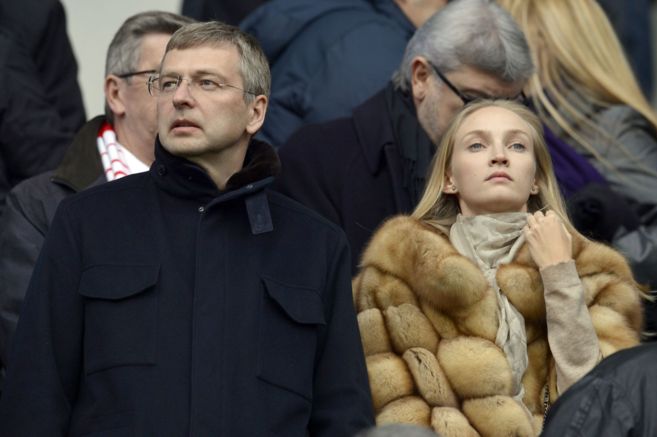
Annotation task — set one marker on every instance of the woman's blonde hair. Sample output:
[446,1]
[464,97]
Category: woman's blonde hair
[440,209]
[576,51]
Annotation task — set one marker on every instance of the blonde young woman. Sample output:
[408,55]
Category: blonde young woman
[478,310]
[585,92]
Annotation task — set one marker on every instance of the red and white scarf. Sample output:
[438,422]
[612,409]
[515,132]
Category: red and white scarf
[117,160]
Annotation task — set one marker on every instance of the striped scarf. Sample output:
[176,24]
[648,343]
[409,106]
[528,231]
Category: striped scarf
[112,153]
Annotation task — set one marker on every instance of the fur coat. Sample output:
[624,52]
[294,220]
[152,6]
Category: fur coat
[428,321]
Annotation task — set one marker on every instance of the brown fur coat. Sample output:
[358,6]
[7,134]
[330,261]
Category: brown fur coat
[428,320]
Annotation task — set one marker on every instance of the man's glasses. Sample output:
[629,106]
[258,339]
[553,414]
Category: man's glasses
[520,98]
[136,73]
[167,85]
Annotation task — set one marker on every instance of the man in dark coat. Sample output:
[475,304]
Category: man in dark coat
[328,56]
[191,300]
[39,26]
[136,49]
[32,136]
[357,171]
[618,398]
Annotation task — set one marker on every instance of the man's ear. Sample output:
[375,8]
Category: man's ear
[421,73]
[114,94]
[257,116]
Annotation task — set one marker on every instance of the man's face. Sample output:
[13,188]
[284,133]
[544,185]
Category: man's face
[440,103]
[138,124]
[203,122]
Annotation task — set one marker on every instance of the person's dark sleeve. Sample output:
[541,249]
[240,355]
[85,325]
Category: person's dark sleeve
[357,63]
[45,359]
[306,173]
[603,215]
[22,231]
[32,137]
[342,404]
[58,69]
[592,408]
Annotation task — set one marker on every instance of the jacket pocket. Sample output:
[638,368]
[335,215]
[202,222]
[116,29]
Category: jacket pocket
[290,321]
[120,315]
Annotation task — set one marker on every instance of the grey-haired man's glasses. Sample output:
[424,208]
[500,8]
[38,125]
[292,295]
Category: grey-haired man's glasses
[520,98]
[167,85]
[136,73]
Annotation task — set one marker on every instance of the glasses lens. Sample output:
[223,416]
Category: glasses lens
[153,85]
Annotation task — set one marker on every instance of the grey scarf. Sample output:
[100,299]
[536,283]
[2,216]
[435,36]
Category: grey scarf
[492,240]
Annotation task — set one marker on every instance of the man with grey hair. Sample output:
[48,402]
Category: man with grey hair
[105,148]
[190,300]
[357,171]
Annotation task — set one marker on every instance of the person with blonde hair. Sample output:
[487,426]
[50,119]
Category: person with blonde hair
[485,304]
[598,123]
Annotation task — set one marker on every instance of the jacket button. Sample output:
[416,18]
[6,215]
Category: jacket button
[161,170]
[201,209]
[249,187]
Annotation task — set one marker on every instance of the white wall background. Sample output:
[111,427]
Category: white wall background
[91,26]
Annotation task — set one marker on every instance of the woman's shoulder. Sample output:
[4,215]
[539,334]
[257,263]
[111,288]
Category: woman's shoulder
[593,258]
[403,231]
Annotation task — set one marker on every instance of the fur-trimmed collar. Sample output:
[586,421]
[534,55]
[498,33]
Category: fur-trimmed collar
[261,162]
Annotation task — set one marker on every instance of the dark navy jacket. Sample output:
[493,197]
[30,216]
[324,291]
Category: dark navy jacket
[326,57]
[349,170]
[161,306]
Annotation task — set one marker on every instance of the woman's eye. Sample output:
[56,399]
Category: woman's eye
[518,147]
[475,147]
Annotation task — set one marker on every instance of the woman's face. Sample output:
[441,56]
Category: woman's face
[493,165]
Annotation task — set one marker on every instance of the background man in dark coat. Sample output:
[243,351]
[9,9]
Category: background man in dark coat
[40,100]
[328,56]
[135,52]
[191,300]
[357,171]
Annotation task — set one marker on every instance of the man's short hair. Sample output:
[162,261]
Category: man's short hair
[474,33]
[254,66]
[124,52]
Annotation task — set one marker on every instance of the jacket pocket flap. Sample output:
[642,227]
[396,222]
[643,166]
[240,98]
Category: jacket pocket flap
[303,305]
[117,281]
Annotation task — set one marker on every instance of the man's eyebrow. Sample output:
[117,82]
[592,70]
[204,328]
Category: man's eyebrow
[196,73]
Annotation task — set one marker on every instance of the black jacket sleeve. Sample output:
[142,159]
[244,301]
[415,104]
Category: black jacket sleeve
[45,359]
[32,137]
[30,208]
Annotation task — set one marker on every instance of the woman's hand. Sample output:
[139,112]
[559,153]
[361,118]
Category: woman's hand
[549,241]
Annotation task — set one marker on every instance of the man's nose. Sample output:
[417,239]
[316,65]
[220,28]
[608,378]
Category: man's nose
[183,93]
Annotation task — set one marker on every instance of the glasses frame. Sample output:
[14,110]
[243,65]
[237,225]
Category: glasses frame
[522,98]
[179,80]
[136,73]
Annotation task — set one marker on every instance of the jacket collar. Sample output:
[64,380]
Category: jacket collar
[81,164]
[183,178]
